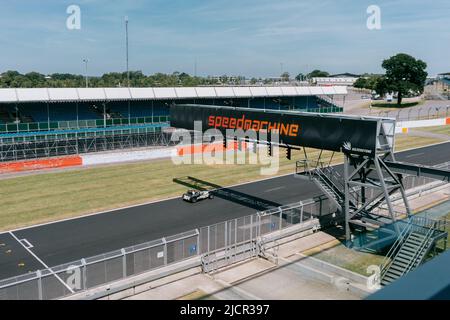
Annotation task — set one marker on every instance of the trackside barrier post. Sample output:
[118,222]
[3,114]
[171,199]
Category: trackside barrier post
[259,225]
[83,262]
[226,234]
[198,241]
[124,263]
[165,251]
[39,276]
[235,230]
[281,219]
[251,227]
[208,239]
[301,211]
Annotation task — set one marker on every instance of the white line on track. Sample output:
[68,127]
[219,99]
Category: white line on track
[415,155]
[40,261]
[177,197]
[26,243]
[274,189]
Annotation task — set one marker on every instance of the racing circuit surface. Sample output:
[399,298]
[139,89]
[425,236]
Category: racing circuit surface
[61,242]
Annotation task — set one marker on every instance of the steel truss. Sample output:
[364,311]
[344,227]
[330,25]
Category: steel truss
[361,175]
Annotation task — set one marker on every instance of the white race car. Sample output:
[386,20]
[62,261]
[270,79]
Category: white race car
[193,196]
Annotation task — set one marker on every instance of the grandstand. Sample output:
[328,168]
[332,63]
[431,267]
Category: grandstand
[61,121]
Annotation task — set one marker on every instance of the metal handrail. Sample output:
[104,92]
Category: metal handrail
[387,261]
[336,178]
[320,173]
[425,242]
[322,168]
[414,222]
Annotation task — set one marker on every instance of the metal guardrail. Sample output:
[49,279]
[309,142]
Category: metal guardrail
[237,252]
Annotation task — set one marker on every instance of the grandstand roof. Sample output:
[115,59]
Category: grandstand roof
[174,93]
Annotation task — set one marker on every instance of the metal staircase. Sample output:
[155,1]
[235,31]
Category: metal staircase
[327,179]
[411,248]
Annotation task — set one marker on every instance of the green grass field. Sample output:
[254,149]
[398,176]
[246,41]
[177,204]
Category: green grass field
[40,198]
[349,259]
[439,130]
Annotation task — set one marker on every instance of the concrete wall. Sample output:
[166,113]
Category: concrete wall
[404,126]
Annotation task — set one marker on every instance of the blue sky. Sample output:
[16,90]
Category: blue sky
[234,37]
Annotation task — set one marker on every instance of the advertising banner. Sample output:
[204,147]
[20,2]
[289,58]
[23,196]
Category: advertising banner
[327,132]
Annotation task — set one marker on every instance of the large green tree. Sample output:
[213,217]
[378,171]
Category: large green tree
[404,74]
[318,74]
[300,77]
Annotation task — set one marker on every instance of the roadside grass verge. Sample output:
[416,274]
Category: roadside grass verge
[438,129]
[349,259]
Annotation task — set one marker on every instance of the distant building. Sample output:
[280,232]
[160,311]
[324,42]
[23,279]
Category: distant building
[444,80]
[341,79]
[444,76]
[329,81]
[345,75]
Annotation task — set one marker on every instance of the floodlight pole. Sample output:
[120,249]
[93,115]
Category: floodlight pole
[127,57]
[86,67]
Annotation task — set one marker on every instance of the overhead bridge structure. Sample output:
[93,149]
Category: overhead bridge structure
[371,175]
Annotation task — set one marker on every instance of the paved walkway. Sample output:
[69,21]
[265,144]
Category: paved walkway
[257,279]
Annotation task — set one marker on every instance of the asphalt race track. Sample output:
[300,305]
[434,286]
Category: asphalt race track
[57,243]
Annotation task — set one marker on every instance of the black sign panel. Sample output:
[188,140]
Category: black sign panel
[329,132]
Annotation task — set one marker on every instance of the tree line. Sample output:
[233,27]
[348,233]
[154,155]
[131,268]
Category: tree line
[14,79]
[404,76]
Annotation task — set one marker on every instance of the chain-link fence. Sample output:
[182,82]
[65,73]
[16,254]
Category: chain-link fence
[236,240]
[418,113]
[95,271]
[244,229]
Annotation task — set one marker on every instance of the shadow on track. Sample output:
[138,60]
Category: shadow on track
[241,198]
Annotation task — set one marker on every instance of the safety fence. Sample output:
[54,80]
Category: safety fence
[79,124]
[84,274]
[414,113]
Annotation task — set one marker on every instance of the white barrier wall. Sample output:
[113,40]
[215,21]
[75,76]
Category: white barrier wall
[403,126]
[138,155]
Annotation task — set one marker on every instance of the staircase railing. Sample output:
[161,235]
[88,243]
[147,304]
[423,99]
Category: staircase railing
[322,177]
[327,175]
[414,224]
[387,261]
[338,180]
[306,166]
[425,242]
